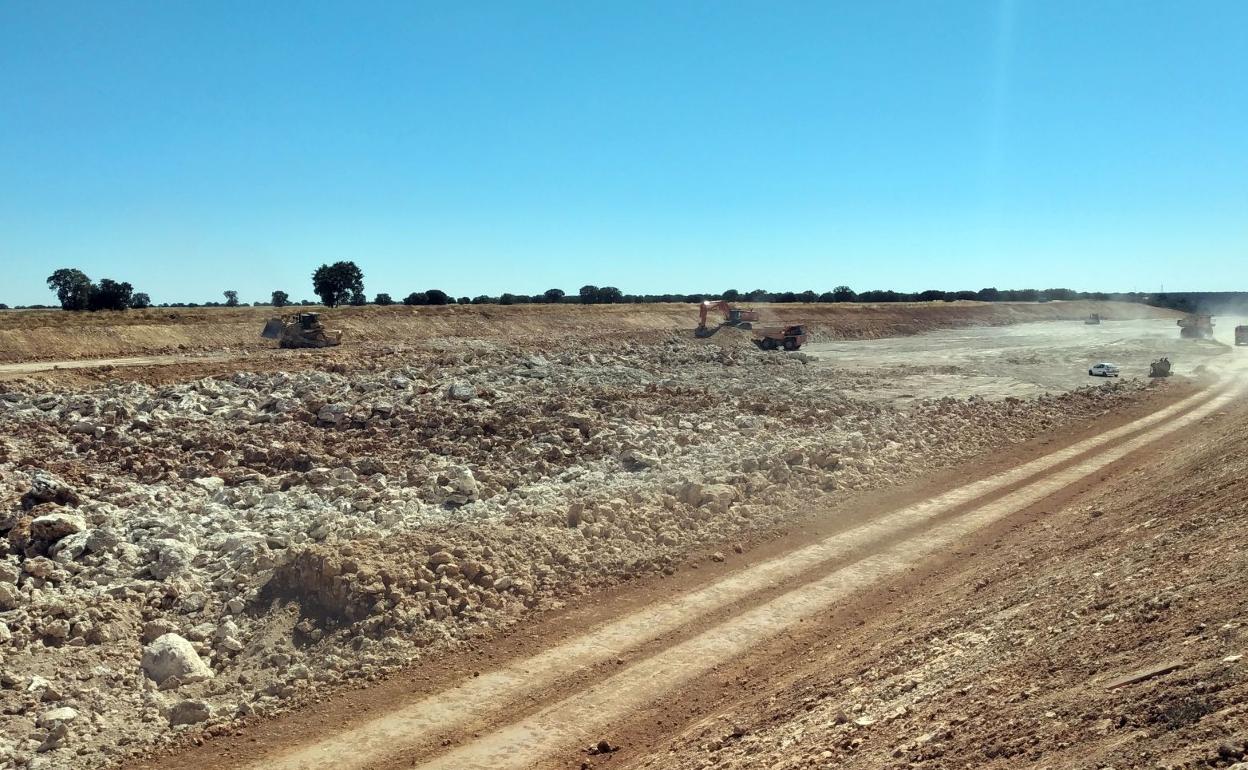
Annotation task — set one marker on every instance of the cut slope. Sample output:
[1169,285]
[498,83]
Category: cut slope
[58,335]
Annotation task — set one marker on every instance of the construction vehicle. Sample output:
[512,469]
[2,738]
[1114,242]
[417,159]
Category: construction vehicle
[1196,327]
[301,330]
[1159,368]
[1241,335]
[1093,319]
[738,317]
[787,337]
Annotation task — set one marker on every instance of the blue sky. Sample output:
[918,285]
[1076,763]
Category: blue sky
[669,146]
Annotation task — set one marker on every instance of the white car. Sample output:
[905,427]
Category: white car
[1103,370]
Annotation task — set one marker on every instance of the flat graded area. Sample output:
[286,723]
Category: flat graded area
[494,550]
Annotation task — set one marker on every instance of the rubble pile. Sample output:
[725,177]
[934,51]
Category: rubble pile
[178,556]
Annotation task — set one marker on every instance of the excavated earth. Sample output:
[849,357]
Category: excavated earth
[182,553]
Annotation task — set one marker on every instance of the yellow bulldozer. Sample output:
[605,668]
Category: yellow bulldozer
[301,330]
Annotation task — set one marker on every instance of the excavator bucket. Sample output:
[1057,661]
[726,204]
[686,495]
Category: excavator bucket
[272,330]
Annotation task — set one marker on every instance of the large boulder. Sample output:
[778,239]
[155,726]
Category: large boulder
[171,655]
[54,526]
[9,597]
[46,488]
[173,557]
[190,712]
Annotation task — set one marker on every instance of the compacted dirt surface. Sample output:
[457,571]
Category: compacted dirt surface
[470,552]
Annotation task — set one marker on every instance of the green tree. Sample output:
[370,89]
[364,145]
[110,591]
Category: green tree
[72,287]
[732,295]
[231,298]
[589,294]
[553,295]
[338,283]
[843,294]
[464,300]
[140,301]
[110,295]
[383,299]
[416,298]
[280,299]
[438,297]
[610,294]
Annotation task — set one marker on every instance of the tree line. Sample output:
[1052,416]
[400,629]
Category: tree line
[342,283]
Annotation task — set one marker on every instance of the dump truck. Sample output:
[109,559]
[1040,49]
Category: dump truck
[1196,326]
[1241,335]
[1159,368]
[300,330]
[788,337]
[1093,319]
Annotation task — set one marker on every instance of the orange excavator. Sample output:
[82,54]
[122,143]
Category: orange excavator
[739,317]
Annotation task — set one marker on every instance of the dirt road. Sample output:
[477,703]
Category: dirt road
[532,710]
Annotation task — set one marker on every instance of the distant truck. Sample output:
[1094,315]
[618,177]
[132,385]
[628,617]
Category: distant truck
[1093,319]
[788,337]
[1241,335]
[1196,326]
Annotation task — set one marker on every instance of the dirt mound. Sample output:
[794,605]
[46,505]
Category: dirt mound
[58,335]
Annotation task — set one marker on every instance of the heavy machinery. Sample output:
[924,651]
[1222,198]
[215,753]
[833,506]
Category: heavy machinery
[1159,368]
[739,317]
[787,337]
[301,330]
[1093,319]
[1196,327]
[1241,335]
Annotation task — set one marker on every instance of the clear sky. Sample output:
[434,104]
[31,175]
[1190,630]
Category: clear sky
[193,147]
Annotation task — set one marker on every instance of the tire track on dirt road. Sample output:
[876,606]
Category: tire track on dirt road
[490,697]
[576,719]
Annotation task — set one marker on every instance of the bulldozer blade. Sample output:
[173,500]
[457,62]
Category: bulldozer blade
[273,329]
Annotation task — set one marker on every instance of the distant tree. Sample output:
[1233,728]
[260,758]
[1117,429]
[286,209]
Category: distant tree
[610,294]
[416,298]
[3,306]
[552,295]
[589,294]
[306,302]
[231,298]
[964,295]
[338,283]
[483,299]
[72,287]
[140,301]
[383,299]
[464,300]
[843,294]
[438,297]
[110,295]
[758,295]
[358,299]
[694,298]
[507,299]
[280,299]
[807,296]
[990,294]
[732,295]
[931,295]
[827,296]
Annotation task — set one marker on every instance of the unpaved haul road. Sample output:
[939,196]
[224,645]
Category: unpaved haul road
[508,717]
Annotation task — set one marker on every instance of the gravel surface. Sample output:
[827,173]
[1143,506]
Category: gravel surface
[176,556]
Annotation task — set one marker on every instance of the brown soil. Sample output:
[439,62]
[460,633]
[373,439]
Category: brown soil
[53,335]
[1036,687]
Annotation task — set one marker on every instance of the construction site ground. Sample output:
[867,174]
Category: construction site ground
[945,550]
